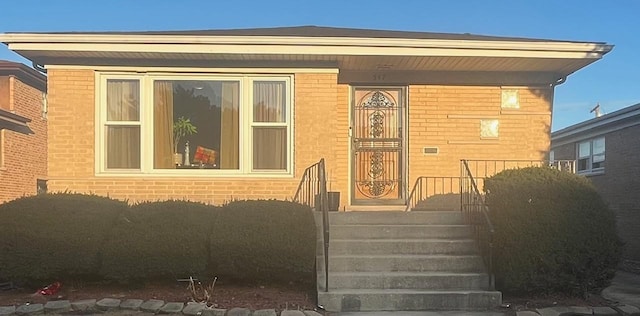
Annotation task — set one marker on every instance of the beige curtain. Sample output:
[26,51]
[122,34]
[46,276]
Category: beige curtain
[269,143]
[269,102]
[123,141]
[230,128]
[163,125]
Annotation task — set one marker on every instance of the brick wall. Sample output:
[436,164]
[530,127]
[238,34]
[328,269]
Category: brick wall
[448,117]
[24,156]
[72,149]
[443,116]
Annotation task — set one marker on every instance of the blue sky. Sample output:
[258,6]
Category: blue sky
[612,82]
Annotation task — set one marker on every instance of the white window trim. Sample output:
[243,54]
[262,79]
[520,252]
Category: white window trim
[146,125]
[590,170]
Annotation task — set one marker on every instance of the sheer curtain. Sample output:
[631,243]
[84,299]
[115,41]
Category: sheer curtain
[123,124]
[269,140]
[229,126]
[163,125]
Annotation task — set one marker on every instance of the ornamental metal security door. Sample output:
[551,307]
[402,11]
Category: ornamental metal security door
[377,145]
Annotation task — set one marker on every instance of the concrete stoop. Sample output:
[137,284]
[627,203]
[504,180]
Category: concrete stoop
[404,261]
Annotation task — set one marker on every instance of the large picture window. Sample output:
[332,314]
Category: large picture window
[195,124]
[591,155]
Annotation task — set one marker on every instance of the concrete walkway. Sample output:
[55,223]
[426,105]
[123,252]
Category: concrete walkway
[625,289]
[442,313]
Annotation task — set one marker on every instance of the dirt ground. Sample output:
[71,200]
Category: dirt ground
[259,296]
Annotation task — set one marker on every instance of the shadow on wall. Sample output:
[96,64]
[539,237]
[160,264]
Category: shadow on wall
[439,202]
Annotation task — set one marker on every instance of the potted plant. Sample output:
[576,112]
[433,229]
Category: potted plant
[181,128]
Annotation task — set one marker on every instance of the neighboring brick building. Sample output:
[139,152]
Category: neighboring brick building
[23,130]
[382,107]
[607,150]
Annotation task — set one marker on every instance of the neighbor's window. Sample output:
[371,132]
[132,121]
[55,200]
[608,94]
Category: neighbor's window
[591,155]
[238,124]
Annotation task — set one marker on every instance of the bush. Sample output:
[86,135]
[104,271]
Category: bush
[263,240]
[54,236]
[554,233]
[159,240]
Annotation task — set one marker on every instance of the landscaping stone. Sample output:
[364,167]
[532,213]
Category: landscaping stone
[554,311]
[152,306]
[53,307]
[131,304]
[265,312]
[108,304]
[291,313]
[604,311]
[193,309]
[30,309]
[172,308]
[314,313]
[236,311]
[214,312]
[84,305]
[581,310]
[628,310]
[7,310]
[526,313]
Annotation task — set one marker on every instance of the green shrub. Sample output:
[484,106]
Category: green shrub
[263,240]
[159,240]
[54,236]
[554,233]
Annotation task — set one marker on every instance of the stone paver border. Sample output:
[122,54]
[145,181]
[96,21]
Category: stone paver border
[200,309]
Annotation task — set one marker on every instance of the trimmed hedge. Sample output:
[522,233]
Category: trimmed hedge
[54,236]
[73,236]
[554,233]
[263,240]
[158,240]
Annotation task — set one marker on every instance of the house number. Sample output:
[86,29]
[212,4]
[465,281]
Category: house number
[379,77]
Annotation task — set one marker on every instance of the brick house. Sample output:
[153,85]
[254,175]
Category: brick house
[23,130]
[606,149]
[217,115]
[267,103]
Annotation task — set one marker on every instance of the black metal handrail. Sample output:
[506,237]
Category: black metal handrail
[476,214]
[426,189]
[312,191]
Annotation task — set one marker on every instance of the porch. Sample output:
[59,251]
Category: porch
[435,254]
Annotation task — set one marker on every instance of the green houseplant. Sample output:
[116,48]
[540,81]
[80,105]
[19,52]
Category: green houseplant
[181,128]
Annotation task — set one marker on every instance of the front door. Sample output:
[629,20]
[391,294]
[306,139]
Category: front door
[377,144]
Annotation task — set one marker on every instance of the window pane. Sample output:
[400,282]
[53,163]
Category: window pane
[584,150]
[598,158]
[583,164]
[270,148]
[123,147]
[204,113]
[123,100]
[269,101]
[598,146]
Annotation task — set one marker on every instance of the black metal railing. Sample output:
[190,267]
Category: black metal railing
[482,169]
[434,193]
[312,191]
[476,214]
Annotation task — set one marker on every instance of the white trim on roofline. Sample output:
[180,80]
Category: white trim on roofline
[300,45]
[198,70]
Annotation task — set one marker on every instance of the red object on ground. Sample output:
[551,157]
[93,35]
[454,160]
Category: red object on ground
[51,289]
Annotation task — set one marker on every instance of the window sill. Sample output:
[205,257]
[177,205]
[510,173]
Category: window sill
[589,173]
[195,173]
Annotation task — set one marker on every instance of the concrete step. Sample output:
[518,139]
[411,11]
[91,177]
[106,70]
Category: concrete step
[400,231]
[407,300]
[406,263]
[396,218]
[409,280]
[402,246]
